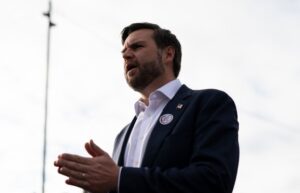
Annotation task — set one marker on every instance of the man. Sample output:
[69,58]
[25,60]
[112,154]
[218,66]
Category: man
[180,141]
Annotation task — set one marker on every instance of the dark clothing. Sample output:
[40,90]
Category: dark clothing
[197,152]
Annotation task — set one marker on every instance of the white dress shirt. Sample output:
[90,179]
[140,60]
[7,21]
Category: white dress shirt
[147,117]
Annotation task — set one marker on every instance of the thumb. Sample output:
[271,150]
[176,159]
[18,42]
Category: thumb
[94,149]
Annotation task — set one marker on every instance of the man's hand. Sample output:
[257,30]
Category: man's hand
[97,174]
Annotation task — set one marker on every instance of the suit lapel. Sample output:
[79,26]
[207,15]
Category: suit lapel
[175,108]
[121,142]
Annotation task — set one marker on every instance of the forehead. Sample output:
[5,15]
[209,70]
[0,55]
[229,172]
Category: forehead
[139,35]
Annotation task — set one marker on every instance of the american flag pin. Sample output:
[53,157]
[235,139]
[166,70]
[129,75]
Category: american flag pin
[179,106]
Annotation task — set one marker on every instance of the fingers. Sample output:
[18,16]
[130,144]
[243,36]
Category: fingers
[79,183]
[75,178]
[93,149]
[77,173]
[96,174]
[61,163]
[72,173]
[74,158]
[97,149]
[90,150]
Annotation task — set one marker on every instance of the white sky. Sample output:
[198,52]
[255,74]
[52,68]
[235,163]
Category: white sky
[248,48]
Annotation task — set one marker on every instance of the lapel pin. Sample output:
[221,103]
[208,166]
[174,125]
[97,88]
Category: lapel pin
[179,106]
[166,119]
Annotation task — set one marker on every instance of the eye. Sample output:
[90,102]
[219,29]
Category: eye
[136,46]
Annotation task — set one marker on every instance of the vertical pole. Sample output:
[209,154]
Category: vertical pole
[50,24]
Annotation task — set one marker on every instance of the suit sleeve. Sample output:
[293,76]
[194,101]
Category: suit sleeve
[213,160]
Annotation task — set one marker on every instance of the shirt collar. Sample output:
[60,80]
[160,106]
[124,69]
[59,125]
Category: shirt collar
[168,90]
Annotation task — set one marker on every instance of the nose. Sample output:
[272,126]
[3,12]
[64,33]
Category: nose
[127,55]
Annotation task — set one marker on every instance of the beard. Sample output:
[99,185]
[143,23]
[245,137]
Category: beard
[146,73]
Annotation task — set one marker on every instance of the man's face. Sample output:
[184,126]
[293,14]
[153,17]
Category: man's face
[142,59]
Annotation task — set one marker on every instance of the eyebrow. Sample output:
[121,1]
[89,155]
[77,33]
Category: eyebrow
[134,43]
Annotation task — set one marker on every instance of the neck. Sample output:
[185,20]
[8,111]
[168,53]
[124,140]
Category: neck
[156,84]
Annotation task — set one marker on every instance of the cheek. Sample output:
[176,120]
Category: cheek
[143,57]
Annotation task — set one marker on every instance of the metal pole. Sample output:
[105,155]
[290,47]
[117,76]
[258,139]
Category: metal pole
[50,25]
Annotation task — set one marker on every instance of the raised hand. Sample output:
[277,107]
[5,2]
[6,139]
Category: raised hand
[96,174]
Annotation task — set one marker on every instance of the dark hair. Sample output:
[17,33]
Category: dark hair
[162,37]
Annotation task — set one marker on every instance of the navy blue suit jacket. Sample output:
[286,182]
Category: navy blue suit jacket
[197,152]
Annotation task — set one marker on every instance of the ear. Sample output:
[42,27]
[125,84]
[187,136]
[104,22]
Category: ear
[168,55]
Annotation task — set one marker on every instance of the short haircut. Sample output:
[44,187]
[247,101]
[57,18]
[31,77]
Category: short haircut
[162,37]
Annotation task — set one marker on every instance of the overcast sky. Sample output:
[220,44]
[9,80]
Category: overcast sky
[248,48]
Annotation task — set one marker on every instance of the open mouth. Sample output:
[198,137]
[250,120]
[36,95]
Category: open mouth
[130,67]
